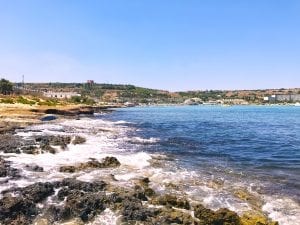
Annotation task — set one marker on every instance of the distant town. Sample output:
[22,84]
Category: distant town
[90,92]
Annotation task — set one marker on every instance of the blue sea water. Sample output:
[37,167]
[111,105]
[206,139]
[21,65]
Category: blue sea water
[259,144]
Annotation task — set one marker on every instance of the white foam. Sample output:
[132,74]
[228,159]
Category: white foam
[107,217]
[139,140]
[282,209]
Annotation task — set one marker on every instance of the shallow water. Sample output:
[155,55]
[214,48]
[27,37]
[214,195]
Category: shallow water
[213,155]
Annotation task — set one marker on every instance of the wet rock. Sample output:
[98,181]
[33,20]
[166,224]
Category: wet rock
[30,149]
[35,168]
[7,170]
[48,148]
[221,216]
[172,201]
[67,169]
[255,218]
[38,191]
[10,143]
[85,205]
[45,141]
[17,210]
[107,162]
[171,216]
[78,140]
[74,184]
[133,210]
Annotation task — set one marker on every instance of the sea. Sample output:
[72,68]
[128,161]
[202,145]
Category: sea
[245,158]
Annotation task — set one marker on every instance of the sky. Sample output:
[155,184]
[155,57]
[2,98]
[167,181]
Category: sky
[165,44]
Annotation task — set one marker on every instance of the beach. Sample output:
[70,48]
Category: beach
[101,170]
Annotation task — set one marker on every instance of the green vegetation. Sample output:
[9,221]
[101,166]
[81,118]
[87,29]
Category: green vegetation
[6,87]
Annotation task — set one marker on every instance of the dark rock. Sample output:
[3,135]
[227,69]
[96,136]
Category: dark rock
[85,205]
[171,216]
[30,149]
[78,140]
[10,143]
[38,191]
[172,201]
[74,184]
[7,170]
[35,168]
[17,210]
[46,141]
[220,217]
[110,162]
[67,169]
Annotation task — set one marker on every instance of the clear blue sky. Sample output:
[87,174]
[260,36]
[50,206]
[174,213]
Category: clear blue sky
[165,44]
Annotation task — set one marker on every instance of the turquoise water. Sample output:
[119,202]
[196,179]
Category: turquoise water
[248,144]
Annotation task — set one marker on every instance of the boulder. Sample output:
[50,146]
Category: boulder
[221,216]
[37,192]
[17,210]
[171,201]
[78,140]
[35,168]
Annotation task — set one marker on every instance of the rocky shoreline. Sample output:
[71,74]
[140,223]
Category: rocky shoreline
[73,201]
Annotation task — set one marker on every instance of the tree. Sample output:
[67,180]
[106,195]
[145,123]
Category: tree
[6,87]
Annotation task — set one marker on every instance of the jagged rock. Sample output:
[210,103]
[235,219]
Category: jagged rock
[7,170]
[107,162]
[255,218]
[74,184]
[45,141]
[30,149]
[67,169]
[171,216]
[78,140]
[221,216]
[38,191]
[84,205]
[17,210]
[170,200]
[10,143]
[35,168]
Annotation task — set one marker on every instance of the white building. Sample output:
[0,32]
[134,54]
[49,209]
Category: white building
[60,95]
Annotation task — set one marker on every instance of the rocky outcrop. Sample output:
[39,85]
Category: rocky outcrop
[107,162]
[9,143]
[7,171]
[221,216]
[171,201]
[17,210]
[78,140]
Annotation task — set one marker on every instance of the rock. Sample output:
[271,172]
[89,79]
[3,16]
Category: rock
[85,205]
[78,140]
[67,169]
[172,201]
[171,216]
[108,162]
[38,191]
[74,184]
[35,168]
[256,218]
[10,143]
[16,210]
[46,141]
[133,210]
[30,150]
[7,170]
[221,216]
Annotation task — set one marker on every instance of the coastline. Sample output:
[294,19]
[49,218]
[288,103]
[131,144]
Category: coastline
[126,205]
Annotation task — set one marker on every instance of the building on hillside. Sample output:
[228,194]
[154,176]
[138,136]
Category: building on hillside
[60,95]
[283,98]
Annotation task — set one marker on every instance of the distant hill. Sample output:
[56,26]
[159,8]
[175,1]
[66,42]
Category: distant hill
[120,93]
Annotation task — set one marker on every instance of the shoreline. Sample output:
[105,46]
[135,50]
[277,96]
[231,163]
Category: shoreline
[137,203]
